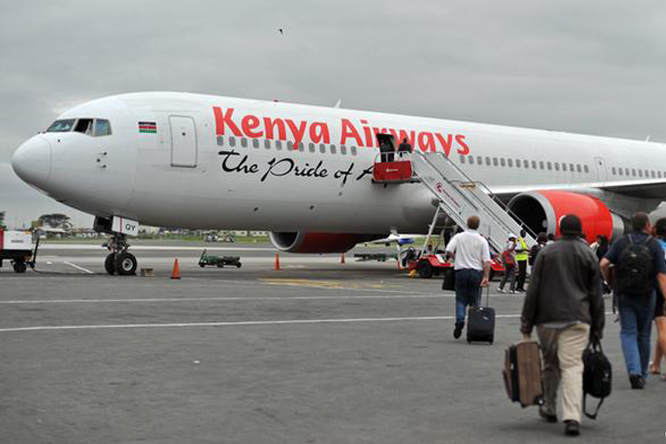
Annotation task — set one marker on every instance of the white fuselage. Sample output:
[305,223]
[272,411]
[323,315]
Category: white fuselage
[219,162]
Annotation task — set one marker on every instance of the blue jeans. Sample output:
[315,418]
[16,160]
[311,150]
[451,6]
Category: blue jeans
[636,315]
[468,284]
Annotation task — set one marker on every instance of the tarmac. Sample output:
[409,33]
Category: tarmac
[317,352]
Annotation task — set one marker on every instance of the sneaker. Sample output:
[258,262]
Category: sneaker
[513,292]
[547,416]
[520,290]
[501,290]
[572,428]
[457,332]
[636,381]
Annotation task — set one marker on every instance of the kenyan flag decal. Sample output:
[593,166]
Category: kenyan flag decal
[148,127]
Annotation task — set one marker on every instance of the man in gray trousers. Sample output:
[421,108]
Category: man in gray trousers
[564,301]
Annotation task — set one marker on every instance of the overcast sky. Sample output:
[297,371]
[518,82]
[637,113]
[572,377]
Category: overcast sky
[595,67]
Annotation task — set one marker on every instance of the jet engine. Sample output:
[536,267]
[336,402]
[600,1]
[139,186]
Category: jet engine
[298,242]
[542,211]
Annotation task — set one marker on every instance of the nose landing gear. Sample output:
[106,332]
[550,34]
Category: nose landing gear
[119,260]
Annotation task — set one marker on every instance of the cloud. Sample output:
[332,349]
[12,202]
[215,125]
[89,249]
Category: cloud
[590,67]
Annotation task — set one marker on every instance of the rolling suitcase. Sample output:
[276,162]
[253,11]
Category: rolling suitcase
[522,373]
[481,322]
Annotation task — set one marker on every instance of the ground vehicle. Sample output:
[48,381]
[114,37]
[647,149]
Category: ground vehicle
[16,246]
[218,261]
[430,265]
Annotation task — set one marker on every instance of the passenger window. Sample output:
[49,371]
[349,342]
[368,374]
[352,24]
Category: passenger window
[502,163]
[290,146]
[332,149]
[232,141]
[267,144]
[102,128]
[343,150]
[312,147]
[322,148]
[578,168]
[471,160]
[278,145]
[571,167]
[353,151]
[61,126]
[626,172]
[633,172]
[557,166]
[220,140]
[549,165]
[652,174]
[619,170]
[640,173]
[479,160]
[534,165]
[587,170]
[255,143]
[526,164]
[541,164]
[659,174]
[244,142]
[301,147]
[84,126]
[462,159]
[517,163]
[564,167]
[509,162]
[495,163]
[488,161]
[613,171]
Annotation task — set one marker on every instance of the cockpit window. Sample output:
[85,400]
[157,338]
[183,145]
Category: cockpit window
[61,126]
[102,127]
[84,126]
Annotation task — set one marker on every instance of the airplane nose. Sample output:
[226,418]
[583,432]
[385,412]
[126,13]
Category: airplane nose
[32,161]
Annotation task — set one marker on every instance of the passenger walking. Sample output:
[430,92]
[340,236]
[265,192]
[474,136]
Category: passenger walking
[659,314]
[638,260]
[509,264]
[536,248]
[602,246]
[564,301]
[472,269]
[521,259]
[550,238]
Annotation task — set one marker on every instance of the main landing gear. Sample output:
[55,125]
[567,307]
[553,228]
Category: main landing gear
[119,260]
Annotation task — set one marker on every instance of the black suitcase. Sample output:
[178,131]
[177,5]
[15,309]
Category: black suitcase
[481,323]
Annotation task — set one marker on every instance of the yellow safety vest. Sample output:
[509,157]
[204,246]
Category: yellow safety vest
[521,255]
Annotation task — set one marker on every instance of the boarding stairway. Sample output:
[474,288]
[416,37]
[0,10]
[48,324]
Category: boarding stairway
[460,197]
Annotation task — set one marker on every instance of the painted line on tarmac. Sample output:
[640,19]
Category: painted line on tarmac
[150,247]
[235,323]
[220,299]
[78,267]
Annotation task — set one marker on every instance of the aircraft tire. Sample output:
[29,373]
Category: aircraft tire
[125,264]
[110,264]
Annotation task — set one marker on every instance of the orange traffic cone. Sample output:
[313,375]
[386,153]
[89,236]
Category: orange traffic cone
[342,258]
[175,272]
[277,261]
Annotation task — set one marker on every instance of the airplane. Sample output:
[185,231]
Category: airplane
[304,173]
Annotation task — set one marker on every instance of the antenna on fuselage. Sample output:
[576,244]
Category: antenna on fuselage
[338,103]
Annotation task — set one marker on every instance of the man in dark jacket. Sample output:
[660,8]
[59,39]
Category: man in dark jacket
[564,301]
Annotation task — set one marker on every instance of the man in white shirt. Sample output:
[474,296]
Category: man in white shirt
[472,269]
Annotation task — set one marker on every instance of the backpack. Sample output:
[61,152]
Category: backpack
[597,376]
[635,270]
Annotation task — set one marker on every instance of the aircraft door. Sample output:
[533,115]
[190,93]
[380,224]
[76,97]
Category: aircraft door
[600,165]
[183,141]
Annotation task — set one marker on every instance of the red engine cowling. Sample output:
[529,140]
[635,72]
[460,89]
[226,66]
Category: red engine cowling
[542,211]
[297,242]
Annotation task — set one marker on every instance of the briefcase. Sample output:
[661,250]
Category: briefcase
[522,373]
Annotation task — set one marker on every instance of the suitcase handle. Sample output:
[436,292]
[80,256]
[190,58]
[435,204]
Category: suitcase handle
[487,296]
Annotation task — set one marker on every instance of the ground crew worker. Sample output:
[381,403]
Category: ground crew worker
[404,147]
[522,255]
[472,269]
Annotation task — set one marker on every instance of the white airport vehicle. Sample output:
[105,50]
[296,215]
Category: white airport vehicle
[16,246]
[307,173]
